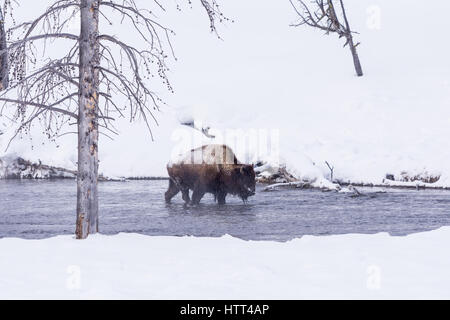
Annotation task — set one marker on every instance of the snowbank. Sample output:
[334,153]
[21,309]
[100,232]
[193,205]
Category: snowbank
[136,266]
[14,167]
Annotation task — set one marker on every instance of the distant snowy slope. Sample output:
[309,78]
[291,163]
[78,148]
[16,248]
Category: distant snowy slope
[265,75]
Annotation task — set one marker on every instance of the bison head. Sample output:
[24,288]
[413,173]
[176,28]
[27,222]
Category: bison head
[244,177]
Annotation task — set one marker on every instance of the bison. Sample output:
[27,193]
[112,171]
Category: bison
[210,169]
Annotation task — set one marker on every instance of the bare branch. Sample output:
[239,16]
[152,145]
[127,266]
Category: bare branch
[323,15]
[42,106]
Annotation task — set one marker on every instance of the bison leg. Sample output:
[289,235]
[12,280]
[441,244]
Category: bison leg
[172,191]
[197,195]
[186,198]
[221,197]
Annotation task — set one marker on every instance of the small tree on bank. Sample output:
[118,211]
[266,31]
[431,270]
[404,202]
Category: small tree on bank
[87,84]
[324,15]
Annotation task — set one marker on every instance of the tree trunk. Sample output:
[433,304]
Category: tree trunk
[349,36]
[355,56]
[87,187]
[4,67]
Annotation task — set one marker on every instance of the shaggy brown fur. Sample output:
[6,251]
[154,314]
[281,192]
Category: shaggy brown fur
[208,176]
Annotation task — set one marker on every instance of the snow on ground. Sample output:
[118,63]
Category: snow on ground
[127,266]
[297,87]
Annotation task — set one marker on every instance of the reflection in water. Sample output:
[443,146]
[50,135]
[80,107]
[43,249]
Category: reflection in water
[39,209]
[210,209]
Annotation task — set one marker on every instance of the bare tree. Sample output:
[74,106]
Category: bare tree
[100,77]
[323,15]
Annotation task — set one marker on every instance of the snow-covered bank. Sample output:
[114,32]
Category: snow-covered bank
[136,266]
[15,167]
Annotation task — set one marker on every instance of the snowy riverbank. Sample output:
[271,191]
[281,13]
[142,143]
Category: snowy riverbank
[136,266]
[15,167]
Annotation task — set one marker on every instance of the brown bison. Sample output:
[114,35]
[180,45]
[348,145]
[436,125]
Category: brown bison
[210,169]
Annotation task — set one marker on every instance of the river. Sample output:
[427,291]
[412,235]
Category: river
[40,209]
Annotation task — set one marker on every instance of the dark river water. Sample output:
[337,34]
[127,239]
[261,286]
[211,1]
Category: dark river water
[41,209]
